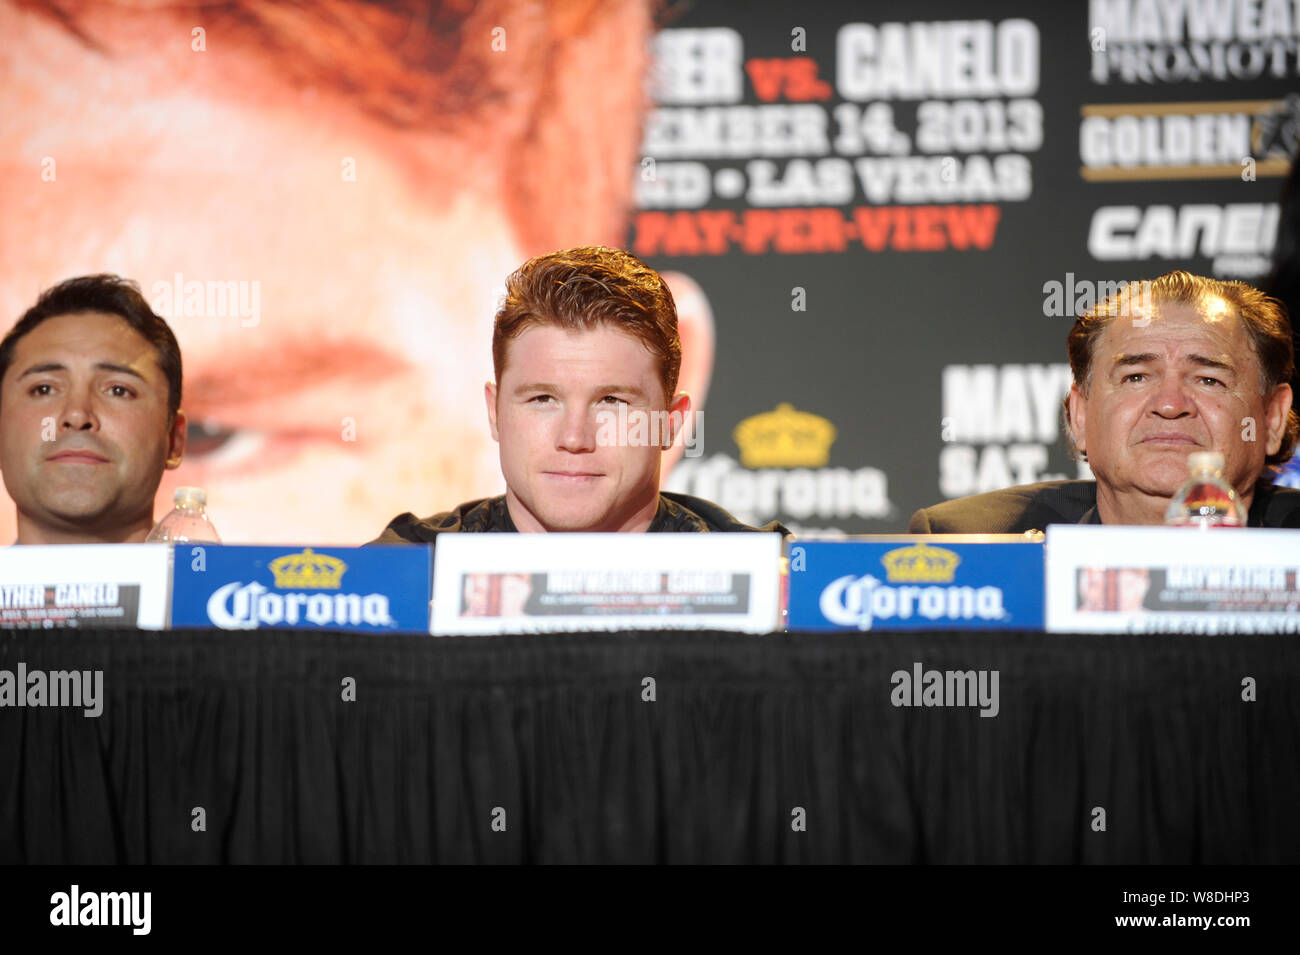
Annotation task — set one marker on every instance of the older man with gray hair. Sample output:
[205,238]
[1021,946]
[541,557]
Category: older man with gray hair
[1165,368]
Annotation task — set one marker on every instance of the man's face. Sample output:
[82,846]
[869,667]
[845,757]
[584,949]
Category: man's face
[1186,380]
[477,589]
[558,390]
[84,431]
[1092,588]
[515,591]
[1133,586]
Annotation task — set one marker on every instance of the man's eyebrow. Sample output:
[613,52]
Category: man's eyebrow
[120,369]
[1206,362]
[535,386]
[1123,361]
[622,390]
[1203,361]
[550,388]
[43,367]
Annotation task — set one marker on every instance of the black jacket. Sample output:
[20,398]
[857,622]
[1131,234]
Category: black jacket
[677,512]
[1034,506]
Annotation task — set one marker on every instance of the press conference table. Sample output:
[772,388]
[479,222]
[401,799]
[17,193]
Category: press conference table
[779,748]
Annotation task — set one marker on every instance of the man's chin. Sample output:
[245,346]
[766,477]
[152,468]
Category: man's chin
[80,511]
[1161,490]
[567,523]
[1163,470]
[572,516]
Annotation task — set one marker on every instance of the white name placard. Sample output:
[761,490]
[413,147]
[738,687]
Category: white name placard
[1172,579]
[519,583]
[85,585]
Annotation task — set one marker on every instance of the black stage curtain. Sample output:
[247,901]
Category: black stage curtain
[550,737]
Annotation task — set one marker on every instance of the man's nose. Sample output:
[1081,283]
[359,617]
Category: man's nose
[78,413]
[1173,399]
[578,431]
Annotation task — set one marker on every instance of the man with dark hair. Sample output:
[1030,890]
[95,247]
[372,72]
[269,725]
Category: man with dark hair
[586,356]
[1163,369]
[90,393]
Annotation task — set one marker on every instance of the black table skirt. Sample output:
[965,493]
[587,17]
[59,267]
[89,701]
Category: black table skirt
[550,738]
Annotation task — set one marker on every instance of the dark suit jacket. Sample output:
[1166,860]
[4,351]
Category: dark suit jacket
[1034,506]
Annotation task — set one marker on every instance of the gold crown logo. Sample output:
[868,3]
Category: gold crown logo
[308,571]
[784,438]
[920,564]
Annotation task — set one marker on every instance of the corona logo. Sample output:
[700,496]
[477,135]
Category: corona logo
[920,564]
[308,571]
[785,438]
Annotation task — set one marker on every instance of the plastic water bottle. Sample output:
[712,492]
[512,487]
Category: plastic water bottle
[187,521]
[1206,499]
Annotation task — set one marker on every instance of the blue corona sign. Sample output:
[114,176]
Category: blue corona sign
[380,589]
[918,583]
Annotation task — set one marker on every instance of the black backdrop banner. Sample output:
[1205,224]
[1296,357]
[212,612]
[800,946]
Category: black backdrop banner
[896,211]
[280,747]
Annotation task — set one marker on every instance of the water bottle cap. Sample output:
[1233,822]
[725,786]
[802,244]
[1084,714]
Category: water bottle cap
[1205,460]
[190,497]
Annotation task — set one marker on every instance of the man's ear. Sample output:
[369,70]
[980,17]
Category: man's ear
[1277,406]
[490,396]
[678,411]
[1076,404]
[695,326]
[176,441]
